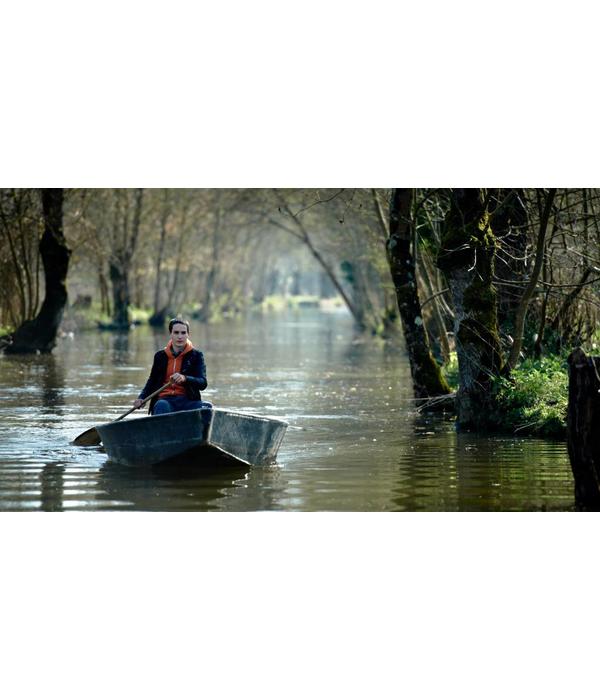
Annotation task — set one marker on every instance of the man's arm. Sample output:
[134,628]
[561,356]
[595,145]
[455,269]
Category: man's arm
[195,374]
[151,384]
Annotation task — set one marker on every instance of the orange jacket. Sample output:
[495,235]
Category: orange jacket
[174,365]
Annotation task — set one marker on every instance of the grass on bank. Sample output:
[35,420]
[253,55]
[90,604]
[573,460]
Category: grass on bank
[533,401]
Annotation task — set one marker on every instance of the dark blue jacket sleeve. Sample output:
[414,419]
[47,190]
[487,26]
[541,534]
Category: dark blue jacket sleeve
[154,380]
[195,374]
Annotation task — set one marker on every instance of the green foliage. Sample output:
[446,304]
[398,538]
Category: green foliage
[138,315]
[534,400]
[450,371]
[592,345]
[278,302]
[273,302]
[81,319]
[190,310]
[88,318]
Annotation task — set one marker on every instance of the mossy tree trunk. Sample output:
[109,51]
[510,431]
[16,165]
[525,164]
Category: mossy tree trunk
[39,334]
[427,378]
[467,259]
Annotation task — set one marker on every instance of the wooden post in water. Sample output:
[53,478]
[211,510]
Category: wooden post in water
[583,427]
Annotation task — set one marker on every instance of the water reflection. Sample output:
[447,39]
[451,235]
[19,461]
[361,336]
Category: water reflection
[168,488]
[52,487]
[53,383]
[358,443]
[120,349]
[478,473]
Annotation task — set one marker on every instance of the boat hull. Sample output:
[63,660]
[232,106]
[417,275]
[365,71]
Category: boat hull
[203,437]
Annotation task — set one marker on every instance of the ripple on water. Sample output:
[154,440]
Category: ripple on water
[361,445]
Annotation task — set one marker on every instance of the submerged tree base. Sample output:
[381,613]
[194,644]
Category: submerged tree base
[583,437]
[39,334]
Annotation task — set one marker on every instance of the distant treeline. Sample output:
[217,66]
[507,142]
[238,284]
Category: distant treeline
[207,249]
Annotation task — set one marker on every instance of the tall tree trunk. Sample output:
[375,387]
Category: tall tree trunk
[122,257]
[16,265]
[531,285]
[39,334]
[467,259]
[539,340]
[510,222]
[390,303]
[104,295]
[119,279]
[205,310]
[561,320]
[440,334]
[177,290]
[159,313]
[23,255]
[426,375]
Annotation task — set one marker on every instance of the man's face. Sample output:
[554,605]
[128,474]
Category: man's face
[179,335]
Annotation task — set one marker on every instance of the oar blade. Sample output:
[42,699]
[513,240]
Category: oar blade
[88,438]
[91,436]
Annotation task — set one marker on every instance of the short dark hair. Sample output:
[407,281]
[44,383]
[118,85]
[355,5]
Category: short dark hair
[173,321]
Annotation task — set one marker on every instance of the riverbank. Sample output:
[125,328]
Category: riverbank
[533,401]
[78,317]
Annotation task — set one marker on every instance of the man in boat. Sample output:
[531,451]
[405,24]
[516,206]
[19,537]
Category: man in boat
[182,365]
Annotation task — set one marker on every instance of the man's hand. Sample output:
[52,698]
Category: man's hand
[178,378]
[137,403]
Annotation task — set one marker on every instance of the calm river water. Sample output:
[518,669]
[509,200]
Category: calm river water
[355,444]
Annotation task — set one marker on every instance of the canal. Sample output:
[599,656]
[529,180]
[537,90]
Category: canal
[355,442]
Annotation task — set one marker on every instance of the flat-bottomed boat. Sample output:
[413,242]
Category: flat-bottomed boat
[203,437]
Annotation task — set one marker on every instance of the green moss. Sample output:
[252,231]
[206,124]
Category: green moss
[450,371]
[466,239]
[480,300]
[427,375]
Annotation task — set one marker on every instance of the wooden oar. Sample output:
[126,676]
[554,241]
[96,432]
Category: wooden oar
[91,437]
